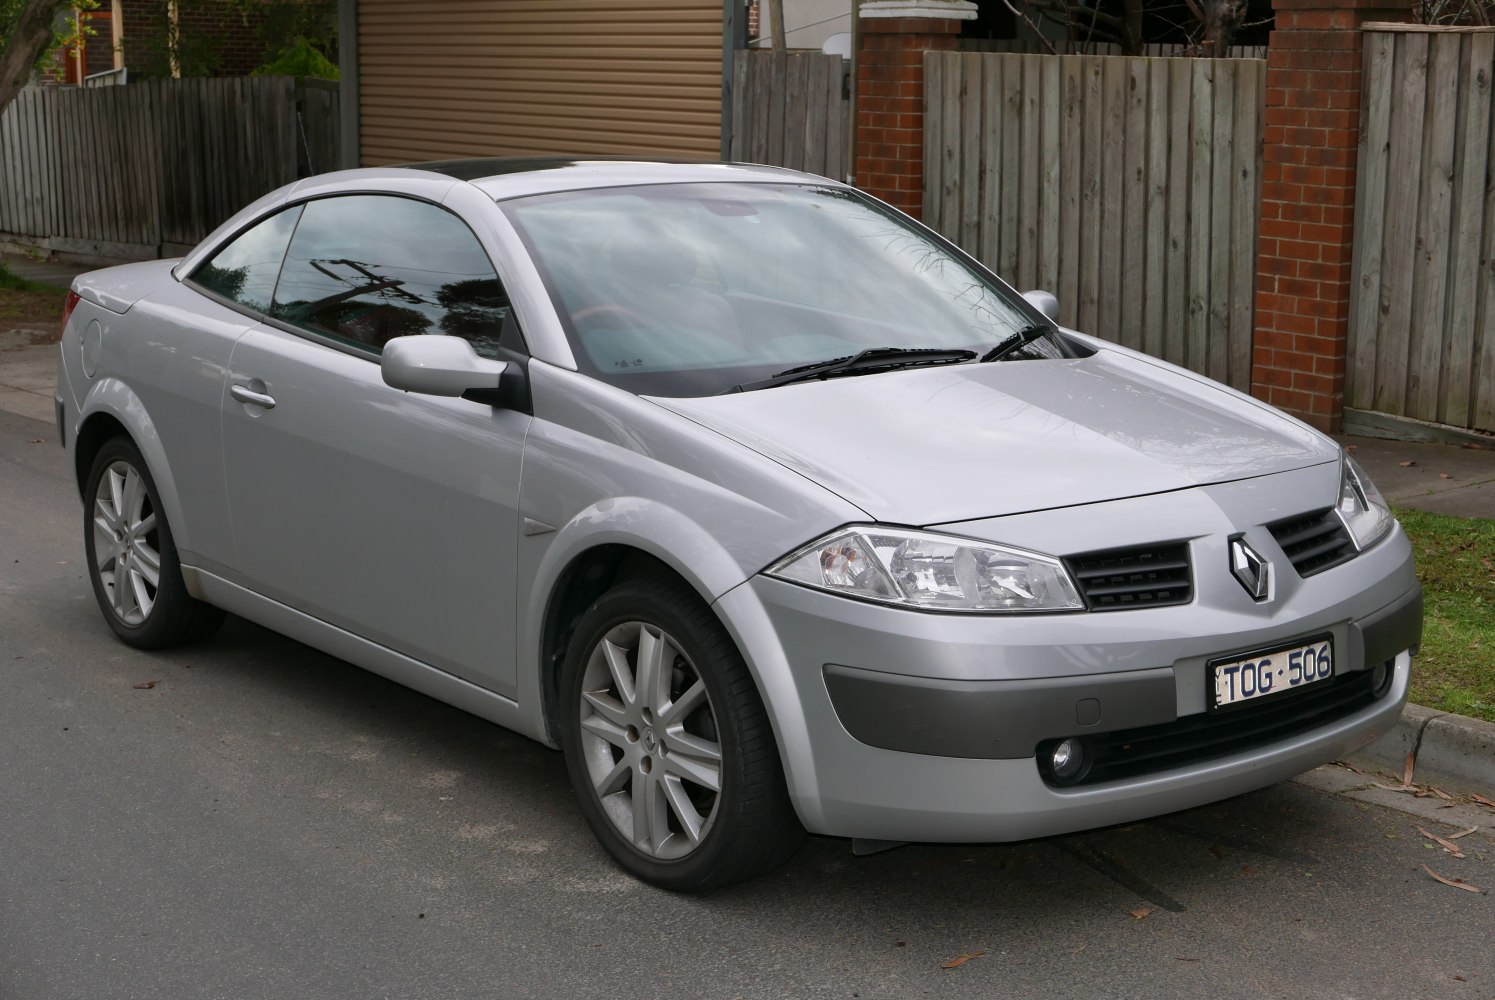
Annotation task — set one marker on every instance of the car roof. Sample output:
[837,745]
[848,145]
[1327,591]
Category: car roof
[515,177]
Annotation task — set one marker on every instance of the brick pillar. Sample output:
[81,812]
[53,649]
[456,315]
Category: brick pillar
[895,34]
[1308,205]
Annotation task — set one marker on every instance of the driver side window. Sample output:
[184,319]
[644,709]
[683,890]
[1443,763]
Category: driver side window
[367,268]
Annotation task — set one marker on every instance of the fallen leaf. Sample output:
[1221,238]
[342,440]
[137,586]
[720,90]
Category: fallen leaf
[1142,912]
[956,963]
[1457,883]
[1407,464]
[1247,870]
[145,685]
[1447,845]
[1444,475]
[1481,800]
[1407,767]
[1180,958]
[1348,447]
[1462,833]
[37,441]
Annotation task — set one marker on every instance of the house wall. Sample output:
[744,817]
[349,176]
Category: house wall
[452,78]
[807,23]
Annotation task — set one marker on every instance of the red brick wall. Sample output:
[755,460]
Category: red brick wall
[209,29]
[1312,128]
[890,106]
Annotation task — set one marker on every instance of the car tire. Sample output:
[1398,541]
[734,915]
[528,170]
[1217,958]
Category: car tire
[127,542]
[675,737]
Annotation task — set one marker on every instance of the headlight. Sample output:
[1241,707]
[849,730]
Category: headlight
[1363,510]
[916,569]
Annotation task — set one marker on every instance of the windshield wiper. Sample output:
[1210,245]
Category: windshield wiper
[871,360]
[1022,338]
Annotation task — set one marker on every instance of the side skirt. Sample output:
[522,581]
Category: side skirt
[361,652]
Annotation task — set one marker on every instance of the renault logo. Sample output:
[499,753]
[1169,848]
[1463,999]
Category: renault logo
[1251,569]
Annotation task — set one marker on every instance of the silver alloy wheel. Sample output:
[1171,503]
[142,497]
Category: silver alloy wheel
[125,544]
[649,740]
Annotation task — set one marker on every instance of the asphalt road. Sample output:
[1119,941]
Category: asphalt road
[265,821]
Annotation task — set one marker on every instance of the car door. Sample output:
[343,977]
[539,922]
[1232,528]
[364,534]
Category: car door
[393,515]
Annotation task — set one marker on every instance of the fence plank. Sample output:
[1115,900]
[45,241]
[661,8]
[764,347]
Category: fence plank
[1409,88]
[1155,209]
[1090,197]
[1222,157]
[1048,182]
[966,185]
[1134,193]
[955,83]
[1202,83]
[1180,115]
[1069,156]
[990,138]
[1010,215]
[1367,290]
[1245,211]
[1477,55]
[1113,157]
[1483,395]
[1430,272]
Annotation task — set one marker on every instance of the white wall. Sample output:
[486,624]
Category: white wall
[800,22]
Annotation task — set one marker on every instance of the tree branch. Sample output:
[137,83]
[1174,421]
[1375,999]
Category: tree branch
[32,35]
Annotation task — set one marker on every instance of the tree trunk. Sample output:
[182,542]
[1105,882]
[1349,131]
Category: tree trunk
[30,39]
[1131,29]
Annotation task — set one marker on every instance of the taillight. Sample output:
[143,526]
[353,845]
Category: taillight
[67,308]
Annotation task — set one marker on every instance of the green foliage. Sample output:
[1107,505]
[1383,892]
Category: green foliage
[299,59]
[1455,671]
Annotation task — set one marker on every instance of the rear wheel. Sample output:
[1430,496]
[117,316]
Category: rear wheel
[132,561]
[668,745]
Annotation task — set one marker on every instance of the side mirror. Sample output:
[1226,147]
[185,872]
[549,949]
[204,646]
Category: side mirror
[1044,302]
[438,365]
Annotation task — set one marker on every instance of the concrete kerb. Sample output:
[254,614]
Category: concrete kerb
[1452,752]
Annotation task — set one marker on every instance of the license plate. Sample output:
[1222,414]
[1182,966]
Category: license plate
[1275,671]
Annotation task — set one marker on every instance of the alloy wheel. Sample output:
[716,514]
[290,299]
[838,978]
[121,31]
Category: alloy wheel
[649,740]
[127,556]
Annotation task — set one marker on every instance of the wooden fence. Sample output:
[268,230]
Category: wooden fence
[790,110]
[1129,187]
[150,168]
[1423,292]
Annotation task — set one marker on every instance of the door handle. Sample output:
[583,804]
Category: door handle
[249,397]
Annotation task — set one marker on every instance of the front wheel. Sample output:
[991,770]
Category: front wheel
[668,745]
[132,560]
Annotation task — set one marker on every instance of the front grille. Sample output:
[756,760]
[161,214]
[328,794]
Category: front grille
[1313,542]
[1146,576]
[1129,753]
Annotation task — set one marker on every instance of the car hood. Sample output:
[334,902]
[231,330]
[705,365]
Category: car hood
[935,445]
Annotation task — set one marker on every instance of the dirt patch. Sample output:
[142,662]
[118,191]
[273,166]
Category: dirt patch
[31,307]
[15,337]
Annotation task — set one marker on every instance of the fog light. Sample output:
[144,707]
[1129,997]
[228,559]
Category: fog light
[1067,759]
[1380,678]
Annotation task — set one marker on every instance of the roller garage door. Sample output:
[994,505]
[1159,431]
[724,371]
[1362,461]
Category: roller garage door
[449,78]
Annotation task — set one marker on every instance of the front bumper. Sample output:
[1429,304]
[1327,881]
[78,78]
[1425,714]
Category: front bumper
[903,725]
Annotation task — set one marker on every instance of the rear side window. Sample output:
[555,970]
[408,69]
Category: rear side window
[366,268]
[245,270]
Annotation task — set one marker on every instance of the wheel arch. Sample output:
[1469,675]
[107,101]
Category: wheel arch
[113,410]
[597,550]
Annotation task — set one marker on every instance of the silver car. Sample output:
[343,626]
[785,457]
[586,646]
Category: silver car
[770,508]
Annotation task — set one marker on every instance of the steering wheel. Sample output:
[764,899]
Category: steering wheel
[589,315]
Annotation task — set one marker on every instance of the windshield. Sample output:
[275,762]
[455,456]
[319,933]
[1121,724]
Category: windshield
[691,289]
